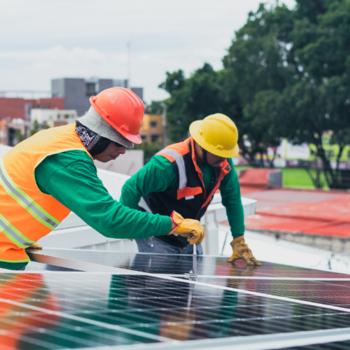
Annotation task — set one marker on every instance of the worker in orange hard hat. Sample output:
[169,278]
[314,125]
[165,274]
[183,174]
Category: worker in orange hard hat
[184,177]
[52,173]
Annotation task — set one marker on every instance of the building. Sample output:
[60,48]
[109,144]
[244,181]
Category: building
[152,128]
[53,117]
[19,108]
[77,91]
[14,132]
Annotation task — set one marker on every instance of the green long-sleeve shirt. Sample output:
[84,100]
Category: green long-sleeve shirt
[158,175]
[71,178]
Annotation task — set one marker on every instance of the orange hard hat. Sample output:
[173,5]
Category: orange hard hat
[122,109]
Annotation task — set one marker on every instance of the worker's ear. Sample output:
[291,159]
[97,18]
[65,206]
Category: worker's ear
[100,146]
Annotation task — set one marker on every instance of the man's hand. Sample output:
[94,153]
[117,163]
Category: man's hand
[241,251]
[191,229]
[35,246]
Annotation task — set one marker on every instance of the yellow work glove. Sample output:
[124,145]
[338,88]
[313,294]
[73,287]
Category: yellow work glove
[35,246]
[189,228]
[241,251]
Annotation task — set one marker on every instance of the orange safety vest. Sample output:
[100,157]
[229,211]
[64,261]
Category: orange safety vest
[189,197]
[27,214]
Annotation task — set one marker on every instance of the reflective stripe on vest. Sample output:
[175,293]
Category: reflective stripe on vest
[13,234]
[180,164]
[25,201]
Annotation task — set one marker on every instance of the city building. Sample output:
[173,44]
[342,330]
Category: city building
[19,108]
[13,132]
[53,117]
[77,91]
[152,128]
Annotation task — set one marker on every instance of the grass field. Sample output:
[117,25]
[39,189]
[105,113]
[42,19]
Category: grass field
[299,178]
[296,178]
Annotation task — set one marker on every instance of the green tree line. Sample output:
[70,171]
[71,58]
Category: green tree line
[286,74]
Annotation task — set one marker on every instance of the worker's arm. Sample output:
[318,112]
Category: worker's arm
[156,176]
[231,199]
[71,178]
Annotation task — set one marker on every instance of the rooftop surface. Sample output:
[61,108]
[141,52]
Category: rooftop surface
[313,212]
[80,299]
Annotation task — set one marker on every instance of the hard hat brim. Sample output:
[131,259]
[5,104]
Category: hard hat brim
[195,127]
[133,138]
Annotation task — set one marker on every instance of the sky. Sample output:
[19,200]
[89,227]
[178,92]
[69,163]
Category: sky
[42,39]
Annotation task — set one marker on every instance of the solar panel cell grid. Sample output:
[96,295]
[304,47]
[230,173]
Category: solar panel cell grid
[323,292]
[90,310]
[181,264]
[28,329]
[70,310]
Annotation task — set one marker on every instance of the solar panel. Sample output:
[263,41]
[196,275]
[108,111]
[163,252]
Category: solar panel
[89,310]
[182,264]
[136,301]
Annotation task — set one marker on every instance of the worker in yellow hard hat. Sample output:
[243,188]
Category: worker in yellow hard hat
[50,174]
[184,177]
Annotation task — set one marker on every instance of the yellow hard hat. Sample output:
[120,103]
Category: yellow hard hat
[217,134]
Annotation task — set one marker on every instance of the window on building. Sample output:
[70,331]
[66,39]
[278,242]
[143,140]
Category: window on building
[58,116]
[90,89]
[143,137]
[67,116]
[153,124]
[155,138]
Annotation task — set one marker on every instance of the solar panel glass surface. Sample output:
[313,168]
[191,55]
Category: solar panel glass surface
[130,308]
[332,292]
[182,264]
[72,310]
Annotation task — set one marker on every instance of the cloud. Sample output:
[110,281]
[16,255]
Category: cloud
[84,38]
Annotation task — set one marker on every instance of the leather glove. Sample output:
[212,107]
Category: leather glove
[241,251]
[35,246]
[189,228]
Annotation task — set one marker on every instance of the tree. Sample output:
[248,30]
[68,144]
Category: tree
[35,128]
[293,72]
[286,74]
[234,90]
[192,99]
[319,100]
[154,108]
[261,127]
